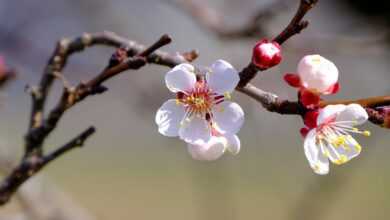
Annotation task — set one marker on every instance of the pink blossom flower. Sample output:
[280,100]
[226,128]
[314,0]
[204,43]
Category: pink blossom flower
[202,114]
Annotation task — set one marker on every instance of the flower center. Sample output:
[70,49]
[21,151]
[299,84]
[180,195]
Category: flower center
[337,134]
[200,100]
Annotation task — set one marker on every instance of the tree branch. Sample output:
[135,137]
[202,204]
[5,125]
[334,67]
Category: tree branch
[64,49]
[32,165]
[372,102]
[34,159]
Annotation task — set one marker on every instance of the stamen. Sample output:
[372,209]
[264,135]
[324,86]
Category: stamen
[227,95]
[343,159]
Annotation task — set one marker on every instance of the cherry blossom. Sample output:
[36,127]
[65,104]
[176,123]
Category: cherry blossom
[202,114]
[331,138]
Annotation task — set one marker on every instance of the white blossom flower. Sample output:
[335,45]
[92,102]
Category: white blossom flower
[215,147]
[201,113]
[331,139]
[318,74]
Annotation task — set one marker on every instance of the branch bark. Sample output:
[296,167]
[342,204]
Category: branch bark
[32,165]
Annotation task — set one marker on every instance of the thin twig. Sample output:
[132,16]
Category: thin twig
[32,165]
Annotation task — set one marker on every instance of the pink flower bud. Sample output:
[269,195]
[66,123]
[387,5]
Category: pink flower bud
[266,54]
[318,74]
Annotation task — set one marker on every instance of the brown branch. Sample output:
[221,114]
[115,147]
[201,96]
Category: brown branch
[34,159]
[57,61]
[372,102]
[272,102]
[295,26]
[32,165]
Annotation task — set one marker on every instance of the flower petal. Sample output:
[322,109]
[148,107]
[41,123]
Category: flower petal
[228,117]
[353,112]
[317,160]
[233,143]
[328,112]
[317,73]
[168,118]
[343,152]
[181,78]
[195,130]
[223,77]
[310,119]
[292,79]
[333,89]
[211,150]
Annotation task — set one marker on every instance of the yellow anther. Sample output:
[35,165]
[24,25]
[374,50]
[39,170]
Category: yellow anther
[177,101]
[366,133]
[355,129]
[227,95]
[326,153]
[343,159]
[341,140]
[358,148]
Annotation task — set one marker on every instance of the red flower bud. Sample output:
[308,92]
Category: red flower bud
[266,54]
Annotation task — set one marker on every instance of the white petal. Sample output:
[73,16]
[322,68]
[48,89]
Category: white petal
[317,160]
[195,130]
[211,150]
[340,154]
[228,117]
[168,118]
[353,112]
[181,78]
[233,143]
[222,78]
[329,111]
[317,72]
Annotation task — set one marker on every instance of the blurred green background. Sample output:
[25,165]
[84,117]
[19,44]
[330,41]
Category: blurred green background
[128,171]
